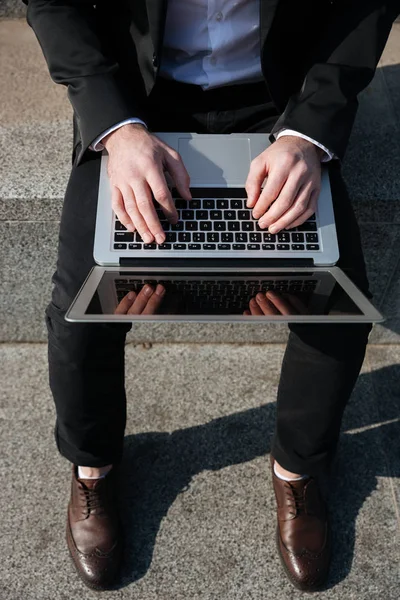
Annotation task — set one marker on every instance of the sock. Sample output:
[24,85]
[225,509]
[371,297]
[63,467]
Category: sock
[82,476]
[288,478]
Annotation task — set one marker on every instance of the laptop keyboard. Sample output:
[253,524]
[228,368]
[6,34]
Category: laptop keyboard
[219,224]
[219,294]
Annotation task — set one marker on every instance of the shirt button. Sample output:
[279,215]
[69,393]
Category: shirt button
[219,16]
[155,60]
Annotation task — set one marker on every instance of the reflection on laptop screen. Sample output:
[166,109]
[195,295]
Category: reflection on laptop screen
[277,294]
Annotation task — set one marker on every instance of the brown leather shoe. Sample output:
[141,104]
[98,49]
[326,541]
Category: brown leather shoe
[93,530]
[303,536]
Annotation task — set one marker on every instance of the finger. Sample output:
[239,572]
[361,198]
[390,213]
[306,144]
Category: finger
[161,193]
[283,306]
[299,210]
[254,308]
[276,180]
[246,313]
[297,304]
[145,205]
[178,172]
[117,204]
[283,202]
[266,306]
[257,173]
[125,304]
[142,298]
[155,301]
[135,216]
[311,208]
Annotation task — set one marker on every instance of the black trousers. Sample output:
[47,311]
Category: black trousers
[86,361]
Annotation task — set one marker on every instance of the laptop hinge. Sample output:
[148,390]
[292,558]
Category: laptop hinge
[197,263]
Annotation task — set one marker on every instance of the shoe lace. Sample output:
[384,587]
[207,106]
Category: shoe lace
[92,500]
[297,499]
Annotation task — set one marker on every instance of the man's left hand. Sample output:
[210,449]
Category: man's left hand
[291,167]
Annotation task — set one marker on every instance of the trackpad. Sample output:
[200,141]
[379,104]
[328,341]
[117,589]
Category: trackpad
[216,160]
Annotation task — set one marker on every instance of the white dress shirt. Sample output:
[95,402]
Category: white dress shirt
[212,43]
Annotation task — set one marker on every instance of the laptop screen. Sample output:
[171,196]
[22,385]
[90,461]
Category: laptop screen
[272,295]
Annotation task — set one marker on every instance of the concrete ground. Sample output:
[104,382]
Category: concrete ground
[196,498]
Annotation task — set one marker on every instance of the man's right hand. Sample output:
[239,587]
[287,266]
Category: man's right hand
[136,164]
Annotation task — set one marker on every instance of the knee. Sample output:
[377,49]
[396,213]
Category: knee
[341,340]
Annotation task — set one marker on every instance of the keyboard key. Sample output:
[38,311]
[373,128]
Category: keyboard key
[226,237]
[268,246]
[179,246]
[135,246]
[195,203]
[184,237]
[236,203]
[170,236]
[282,247]
[297,246]
[215,214]
[223,203]
[119,226]
[181,203]
[119,246]
[206,226]
[187,215]
[253,246]
[239,246]
[219,226]
[121,236]
[312,247]
[224,246]
[213,237]
[177,226]
[149,246]
[269,237]
[209,246]
[234,226]
[307,227]
[283,236]
[199,237]
[310,237]
[201,215]
[247,226]
[243,215]
[165,225]
[137,237]
[191,226]
[297,237]
[229,215]
[194,246]
[209,204]
[255,237]
[165,247]
[240,237]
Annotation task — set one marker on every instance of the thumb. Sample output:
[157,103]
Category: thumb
[179,174]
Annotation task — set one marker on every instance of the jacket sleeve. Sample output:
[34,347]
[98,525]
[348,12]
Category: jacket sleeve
[68,35]
[344,62]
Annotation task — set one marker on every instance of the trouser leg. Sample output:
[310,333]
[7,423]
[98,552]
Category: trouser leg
[321,363]
[86,360]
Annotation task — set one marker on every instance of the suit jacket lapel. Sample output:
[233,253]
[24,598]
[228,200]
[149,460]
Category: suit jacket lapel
[267,14]
[156,11]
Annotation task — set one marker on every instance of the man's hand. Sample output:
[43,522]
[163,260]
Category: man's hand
[136,165]
[292,169]
[146,302]
[273,303]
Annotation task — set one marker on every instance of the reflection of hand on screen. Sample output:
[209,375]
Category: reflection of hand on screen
[274,303]
[146,302]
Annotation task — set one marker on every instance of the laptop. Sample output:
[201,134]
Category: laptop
[216,263]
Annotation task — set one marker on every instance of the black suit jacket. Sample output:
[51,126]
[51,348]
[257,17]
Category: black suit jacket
[317,55]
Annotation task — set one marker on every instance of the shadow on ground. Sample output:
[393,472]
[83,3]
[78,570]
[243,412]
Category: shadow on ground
[159,466]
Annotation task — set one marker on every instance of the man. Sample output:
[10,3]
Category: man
[282,66]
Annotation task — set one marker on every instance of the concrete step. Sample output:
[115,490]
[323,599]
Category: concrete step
[35,145]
